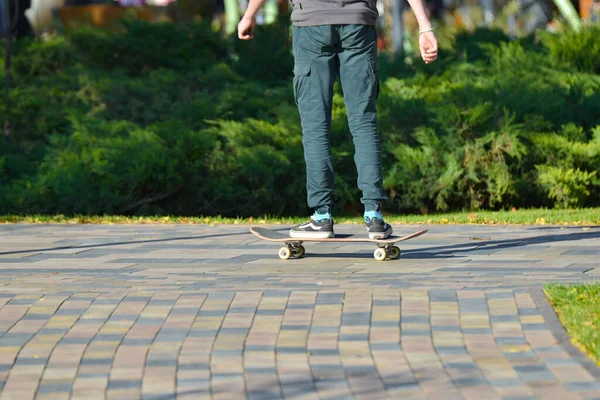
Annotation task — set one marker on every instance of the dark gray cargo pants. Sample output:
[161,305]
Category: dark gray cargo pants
[322,53]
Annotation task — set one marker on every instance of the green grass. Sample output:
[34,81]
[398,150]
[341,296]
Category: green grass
[589,216]
[578,307]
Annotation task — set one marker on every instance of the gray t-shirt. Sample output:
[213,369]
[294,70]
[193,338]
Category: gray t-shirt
[334,12]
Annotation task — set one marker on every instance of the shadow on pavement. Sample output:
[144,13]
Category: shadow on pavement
[84,246]
[497,245]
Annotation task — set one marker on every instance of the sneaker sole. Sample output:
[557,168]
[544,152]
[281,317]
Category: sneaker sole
[312,235]
[380,235]
[375,236]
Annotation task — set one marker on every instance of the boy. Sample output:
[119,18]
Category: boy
[331,39]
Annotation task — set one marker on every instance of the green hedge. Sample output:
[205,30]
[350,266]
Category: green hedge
[173,119]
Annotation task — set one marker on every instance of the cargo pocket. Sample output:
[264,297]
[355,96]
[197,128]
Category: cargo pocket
[302,84]
[374,69]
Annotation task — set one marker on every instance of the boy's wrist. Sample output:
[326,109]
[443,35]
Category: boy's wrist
[425,25]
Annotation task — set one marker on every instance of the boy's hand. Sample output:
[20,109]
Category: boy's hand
[246,28]
[429,47]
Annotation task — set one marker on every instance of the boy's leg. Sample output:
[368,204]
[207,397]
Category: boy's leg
[315,71]
[360,83]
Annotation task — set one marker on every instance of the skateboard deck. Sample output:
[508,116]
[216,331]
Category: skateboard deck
[293,246]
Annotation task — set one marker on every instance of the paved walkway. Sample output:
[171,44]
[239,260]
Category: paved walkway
[199,312]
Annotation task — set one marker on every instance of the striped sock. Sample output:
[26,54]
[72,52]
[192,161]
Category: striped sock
[320,217]
[369,215]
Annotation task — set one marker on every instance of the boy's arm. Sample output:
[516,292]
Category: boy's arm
[248,21]
[427,40]
[420,14]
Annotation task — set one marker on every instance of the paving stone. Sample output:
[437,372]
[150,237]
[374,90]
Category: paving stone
[195,311]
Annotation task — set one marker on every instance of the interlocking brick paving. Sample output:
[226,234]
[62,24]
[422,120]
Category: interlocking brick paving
[201,312]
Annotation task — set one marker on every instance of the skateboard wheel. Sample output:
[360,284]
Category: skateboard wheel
[380,254]
[298,252]
[285,253]
[394,252]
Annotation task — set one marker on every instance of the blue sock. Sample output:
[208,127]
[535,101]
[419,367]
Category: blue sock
[373,214]
[321,217]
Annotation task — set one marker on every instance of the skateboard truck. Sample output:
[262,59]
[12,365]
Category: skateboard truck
[296,250]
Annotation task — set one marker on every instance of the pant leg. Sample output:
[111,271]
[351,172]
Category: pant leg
[539,16]
[487,6]
[360,83]
[398,7]
[463,10]
[2,30]
[315,71]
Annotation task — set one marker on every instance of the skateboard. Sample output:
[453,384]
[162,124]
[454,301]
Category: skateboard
[293,248]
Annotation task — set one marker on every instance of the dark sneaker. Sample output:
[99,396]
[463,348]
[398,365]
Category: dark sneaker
[313,229]
[378,229]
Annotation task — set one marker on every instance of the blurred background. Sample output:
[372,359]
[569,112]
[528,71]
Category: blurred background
[153,107]
[397,25]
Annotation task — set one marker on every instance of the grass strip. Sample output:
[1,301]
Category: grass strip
[577,217]
[578,307]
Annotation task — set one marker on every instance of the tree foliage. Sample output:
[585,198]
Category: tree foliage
[173,119]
